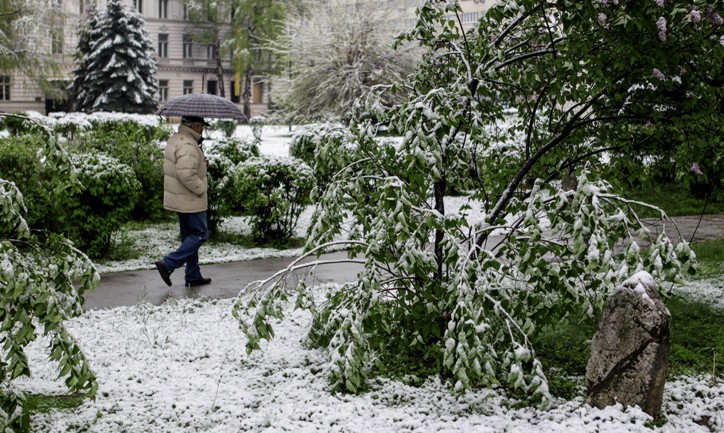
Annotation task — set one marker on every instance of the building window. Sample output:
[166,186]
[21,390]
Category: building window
[163,8]
[56,40]
[188,86]
[4,87]
[186,12]
[163,90]
[163,45]
[211,52]
[138,4]
[188,47]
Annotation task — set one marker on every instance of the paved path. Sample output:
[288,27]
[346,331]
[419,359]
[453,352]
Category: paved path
[228,279]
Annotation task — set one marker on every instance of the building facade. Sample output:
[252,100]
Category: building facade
[183,65]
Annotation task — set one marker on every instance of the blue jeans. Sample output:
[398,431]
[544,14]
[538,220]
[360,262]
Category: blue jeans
[194,231]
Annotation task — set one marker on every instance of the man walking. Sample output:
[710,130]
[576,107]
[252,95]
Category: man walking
[185,192]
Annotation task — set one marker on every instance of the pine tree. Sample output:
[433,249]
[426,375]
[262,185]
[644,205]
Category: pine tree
[78,89]
[116,70]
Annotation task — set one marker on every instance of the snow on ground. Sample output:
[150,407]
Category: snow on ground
[182,367]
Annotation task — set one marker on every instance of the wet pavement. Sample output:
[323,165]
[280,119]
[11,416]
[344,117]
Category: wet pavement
[229,279]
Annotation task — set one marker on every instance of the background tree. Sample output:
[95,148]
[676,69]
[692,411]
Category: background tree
[24,39]
[444,295]
[335,53]
[117,72]
[257,24]
[211,19]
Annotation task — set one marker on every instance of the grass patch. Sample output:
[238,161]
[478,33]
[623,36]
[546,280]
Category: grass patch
[697,337]
[248,241]
[710,257]
[674,199]
[39,403]
[564,350]
[697,346]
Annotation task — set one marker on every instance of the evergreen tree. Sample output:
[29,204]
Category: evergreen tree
[79,95]
[116,71]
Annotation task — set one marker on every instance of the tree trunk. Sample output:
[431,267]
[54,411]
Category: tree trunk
[439,191]
[219,68]
[246,94]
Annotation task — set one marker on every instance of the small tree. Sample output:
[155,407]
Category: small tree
[116,70]
[449,296]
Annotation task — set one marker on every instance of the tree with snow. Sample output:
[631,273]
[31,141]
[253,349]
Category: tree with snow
[24,39]
[116,69]
[466,300]
[336,53]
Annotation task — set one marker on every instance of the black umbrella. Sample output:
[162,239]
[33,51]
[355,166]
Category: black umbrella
[201,105]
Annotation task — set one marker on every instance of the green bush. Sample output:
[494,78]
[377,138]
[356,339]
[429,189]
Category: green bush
[275,190]
[223,156]
[20,164]
[109,195]
[138,146]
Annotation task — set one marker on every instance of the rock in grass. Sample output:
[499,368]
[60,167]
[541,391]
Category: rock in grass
[630,351]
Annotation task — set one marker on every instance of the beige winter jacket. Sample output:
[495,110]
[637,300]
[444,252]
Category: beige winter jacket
[184,173]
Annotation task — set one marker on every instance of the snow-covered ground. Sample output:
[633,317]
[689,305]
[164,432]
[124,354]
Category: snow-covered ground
[182,367]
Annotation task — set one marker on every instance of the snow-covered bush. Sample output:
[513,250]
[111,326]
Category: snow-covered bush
[20,163]
[275,190]
[20,124]
[43,278]
[310,140]
[136,144]
[223,155]
[110,192]
[257,126]
[228,127]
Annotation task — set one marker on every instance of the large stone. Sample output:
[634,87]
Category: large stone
[630,351]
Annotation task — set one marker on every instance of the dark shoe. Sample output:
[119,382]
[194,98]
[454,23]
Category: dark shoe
[165,274]
[201,282]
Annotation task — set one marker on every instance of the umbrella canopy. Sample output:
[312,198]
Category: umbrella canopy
[201,105]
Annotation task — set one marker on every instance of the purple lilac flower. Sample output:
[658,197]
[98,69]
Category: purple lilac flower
[601,18]
[660,3]
[695,169]
[615,2]
[715,19]
[695,16]
[658,74]
[661,24]
[604,2]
